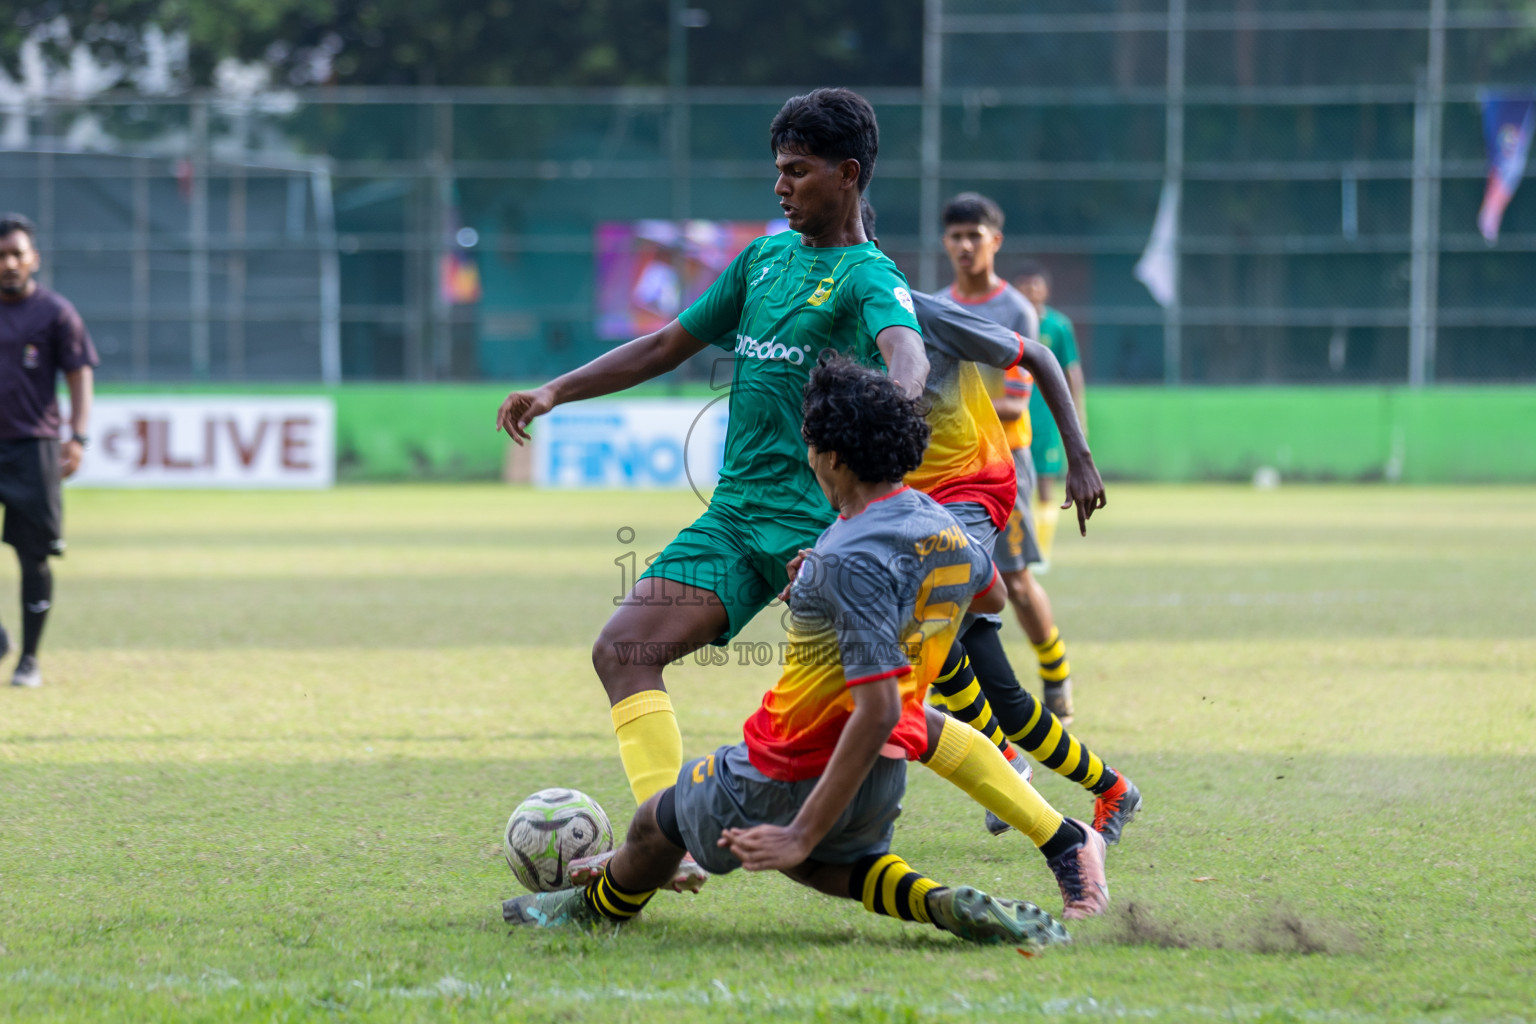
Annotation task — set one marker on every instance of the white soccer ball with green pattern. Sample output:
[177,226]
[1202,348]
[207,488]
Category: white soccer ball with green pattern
[548,831]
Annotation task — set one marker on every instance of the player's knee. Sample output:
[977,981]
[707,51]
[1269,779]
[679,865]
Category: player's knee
[613,649]
[1018,586]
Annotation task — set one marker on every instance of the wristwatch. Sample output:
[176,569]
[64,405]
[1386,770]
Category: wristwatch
[84,439]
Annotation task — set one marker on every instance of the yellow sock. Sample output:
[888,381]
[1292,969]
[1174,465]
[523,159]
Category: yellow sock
[1046,514]
[984,775]
[649,743]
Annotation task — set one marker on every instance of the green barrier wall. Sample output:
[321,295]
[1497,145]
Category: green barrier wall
[1439,435]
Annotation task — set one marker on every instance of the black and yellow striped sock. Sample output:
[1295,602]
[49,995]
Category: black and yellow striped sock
[1028,722]
[612,900]
[1049,742]
[956,691]
[887,885]
[1055,669]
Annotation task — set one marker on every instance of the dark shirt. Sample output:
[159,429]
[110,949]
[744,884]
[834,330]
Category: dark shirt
[40,337]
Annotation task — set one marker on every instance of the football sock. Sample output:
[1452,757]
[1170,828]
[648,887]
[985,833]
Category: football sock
[1046,514]
[649,742]
[1027,721]
[887,885]
[985,776]
[957,691]
[1009,700]
[612,900]
[1066,838]
[1054,667]
[36,599]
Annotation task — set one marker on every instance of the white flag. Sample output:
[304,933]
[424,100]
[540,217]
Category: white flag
[1158,267]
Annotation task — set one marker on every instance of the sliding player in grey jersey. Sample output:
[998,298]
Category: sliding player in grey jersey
[969,468]
[815,787]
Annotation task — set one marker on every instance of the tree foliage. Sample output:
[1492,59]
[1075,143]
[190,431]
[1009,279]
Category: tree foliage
[485,42]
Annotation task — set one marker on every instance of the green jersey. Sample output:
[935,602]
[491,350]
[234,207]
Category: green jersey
[1045,447]
[777,306]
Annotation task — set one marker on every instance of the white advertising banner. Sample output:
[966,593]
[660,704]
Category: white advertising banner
[216,441]
[640,443]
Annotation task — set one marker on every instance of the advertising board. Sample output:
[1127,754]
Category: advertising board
[217,441]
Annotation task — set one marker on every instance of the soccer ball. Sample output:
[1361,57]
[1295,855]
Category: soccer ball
[548,831]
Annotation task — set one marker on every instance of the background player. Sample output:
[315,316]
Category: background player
[816,785]
[973,234]
[1056,334]
[784,299]
[41,336]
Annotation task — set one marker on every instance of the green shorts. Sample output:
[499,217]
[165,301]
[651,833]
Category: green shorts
[737,555]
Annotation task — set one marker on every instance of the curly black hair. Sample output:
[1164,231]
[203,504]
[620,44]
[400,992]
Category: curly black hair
[833,124]
[862,415]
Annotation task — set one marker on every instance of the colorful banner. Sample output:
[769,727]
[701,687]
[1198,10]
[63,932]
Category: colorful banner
[650,270]
[214,441]
[1508,121]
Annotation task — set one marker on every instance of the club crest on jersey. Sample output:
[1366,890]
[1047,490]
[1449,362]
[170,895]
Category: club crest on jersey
[750,348]
[822,293]
[30,358]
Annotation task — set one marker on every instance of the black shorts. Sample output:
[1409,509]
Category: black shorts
[29,489]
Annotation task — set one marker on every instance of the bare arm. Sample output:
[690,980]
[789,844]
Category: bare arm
[1079,395]
[1084,486]
[81,392]
[876,709]
[992,599]
[905,358]
[631,363]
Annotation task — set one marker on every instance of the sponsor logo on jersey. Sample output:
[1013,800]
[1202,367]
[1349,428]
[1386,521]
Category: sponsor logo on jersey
[750,348]
[30,358]
[823,292]
[951,538]
[904,297]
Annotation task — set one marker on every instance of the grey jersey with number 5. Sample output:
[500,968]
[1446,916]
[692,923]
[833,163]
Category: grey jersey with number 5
[881,596]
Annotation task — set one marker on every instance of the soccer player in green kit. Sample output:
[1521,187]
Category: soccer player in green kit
[1056,334]
[785,298]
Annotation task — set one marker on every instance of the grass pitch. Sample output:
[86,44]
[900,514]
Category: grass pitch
[280,734]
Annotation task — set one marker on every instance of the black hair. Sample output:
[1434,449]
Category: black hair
[1033,268]
[867,215]
[834,124]
[10,222]
[863,416]
[973,208]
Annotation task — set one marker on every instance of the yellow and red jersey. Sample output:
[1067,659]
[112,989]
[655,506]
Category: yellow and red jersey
[880,597]
[969,457]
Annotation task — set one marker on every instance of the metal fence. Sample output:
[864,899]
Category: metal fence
[1328,155]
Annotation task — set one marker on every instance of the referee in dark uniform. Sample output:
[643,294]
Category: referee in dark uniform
[41,336]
